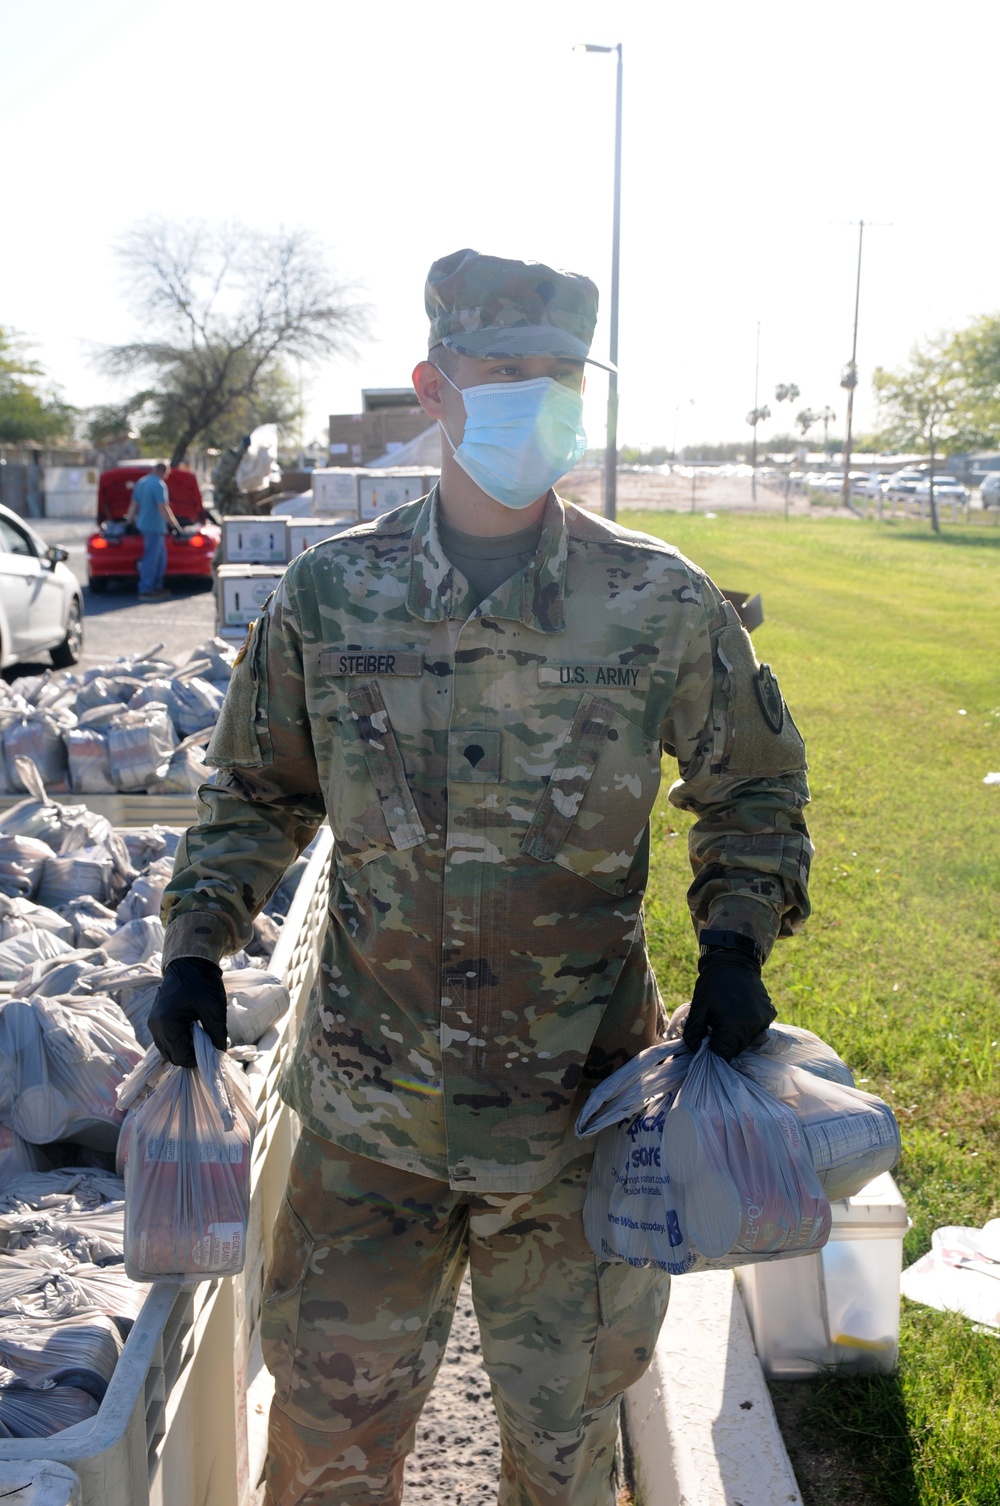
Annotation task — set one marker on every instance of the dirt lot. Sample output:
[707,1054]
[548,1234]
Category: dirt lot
[673,493]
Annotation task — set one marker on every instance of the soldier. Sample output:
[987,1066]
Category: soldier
[476,689]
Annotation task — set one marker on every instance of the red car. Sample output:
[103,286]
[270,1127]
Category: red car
[114,551]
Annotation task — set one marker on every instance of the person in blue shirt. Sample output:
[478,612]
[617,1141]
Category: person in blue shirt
[150,510]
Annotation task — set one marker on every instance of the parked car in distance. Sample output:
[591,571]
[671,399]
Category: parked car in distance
[902,483]
[946,489]
[989,491]
[41,604]
[114,551]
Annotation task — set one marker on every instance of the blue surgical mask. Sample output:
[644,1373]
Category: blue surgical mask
[519,437]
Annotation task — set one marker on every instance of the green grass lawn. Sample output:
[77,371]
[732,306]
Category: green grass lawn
[886,641]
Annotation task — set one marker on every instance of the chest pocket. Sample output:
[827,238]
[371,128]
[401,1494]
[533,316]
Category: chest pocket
[592,817]
[375,808]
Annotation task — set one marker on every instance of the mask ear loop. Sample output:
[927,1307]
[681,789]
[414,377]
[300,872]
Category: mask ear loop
[440,421]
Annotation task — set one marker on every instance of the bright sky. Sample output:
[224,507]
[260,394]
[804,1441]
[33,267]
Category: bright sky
[753,136]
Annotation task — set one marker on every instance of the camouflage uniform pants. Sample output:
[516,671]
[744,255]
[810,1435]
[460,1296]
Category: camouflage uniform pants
[358,1306]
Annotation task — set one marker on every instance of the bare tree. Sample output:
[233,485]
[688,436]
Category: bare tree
[225,307]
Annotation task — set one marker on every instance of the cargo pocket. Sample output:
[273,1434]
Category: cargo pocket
[633,1302]
[241,737]
[592,817]
[399,818]
[279,1321]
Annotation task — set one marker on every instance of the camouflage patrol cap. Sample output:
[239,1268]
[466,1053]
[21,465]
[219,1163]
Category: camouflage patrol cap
[492,306]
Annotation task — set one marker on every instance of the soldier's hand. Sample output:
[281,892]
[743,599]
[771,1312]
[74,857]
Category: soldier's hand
[192,992]
[730,1004]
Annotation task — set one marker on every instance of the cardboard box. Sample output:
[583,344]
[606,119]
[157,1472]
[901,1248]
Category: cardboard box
[304,532]
[381,491]
[335,490]
[250,540]
[838,1308]
[241,591]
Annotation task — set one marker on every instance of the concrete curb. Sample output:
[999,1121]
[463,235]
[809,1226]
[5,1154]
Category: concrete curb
[700,1422]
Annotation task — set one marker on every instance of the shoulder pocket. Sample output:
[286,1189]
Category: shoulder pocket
[241,736]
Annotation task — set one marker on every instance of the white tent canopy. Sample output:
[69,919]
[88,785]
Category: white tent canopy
[425,450]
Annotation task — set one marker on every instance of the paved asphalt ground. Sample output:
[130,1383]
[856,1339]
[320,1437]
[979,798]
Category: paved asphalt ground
[456,1461]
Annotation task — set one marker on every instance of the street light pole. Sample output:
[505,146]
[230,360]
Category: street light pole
[850,379]
[611,452]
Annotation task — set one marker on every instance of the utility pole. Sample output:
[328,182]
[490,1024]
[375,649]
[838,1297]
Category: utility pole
[611,451]
[756,411]
[611,455]
[850,378]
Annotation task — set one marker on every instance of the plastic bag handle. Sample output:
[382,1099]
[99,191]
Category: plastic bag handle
[31,779]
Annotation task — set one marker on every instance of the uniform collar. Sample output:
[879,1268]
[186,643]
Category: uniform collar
[534,596]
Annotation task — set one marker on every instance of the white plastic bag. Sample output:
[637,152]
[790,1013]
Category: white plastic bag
[851,1136]
[22,863]
[187,1148]
[254,1000]
[140,744]
[696,1168]
[31,946]
[63,1060]
[89,761]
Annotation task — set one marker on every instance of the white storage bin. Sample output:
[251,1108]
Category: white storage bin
[304,532]
[37,1482]
[380,491]
[254,541]
[335,489]
[840,1307]
[241,591]
[177,1427]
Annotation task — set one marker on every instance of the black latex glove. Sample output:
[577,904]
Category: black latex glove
[192,992]
[729,1003]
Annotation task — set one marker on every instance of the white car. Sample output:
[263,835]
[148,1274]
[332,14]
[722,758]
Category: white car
[41,604]
[903,483]
[946,489]
[989,491]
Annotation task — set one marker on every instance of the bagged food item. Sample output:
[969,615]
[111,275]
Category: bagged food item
[106,690]
[187,769]
[136,941]
[793,1044]
[254,1000]
[92,922]
[134,990]
[38,816]
[65,1215]
[22,863]
[17,1156]
[40,1412]
[146,895]
[851,1136]
[187,1148]
[18,915]
[96,834]
[89,761]
[79,1350]
[738,1166]
[147,843]
[63,1062]
[31,946]
[53,976]
[88,871]
[40,738]
[30,1288]
[266,932]
[696,1167]
[140,745]
[193,703]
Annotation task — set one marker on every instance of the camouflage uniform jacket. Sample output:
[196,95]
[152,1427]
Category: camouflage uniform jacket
[488,772]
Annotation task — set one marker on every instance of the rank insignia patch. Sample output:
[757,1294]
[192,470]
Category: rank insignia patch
[769,696]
